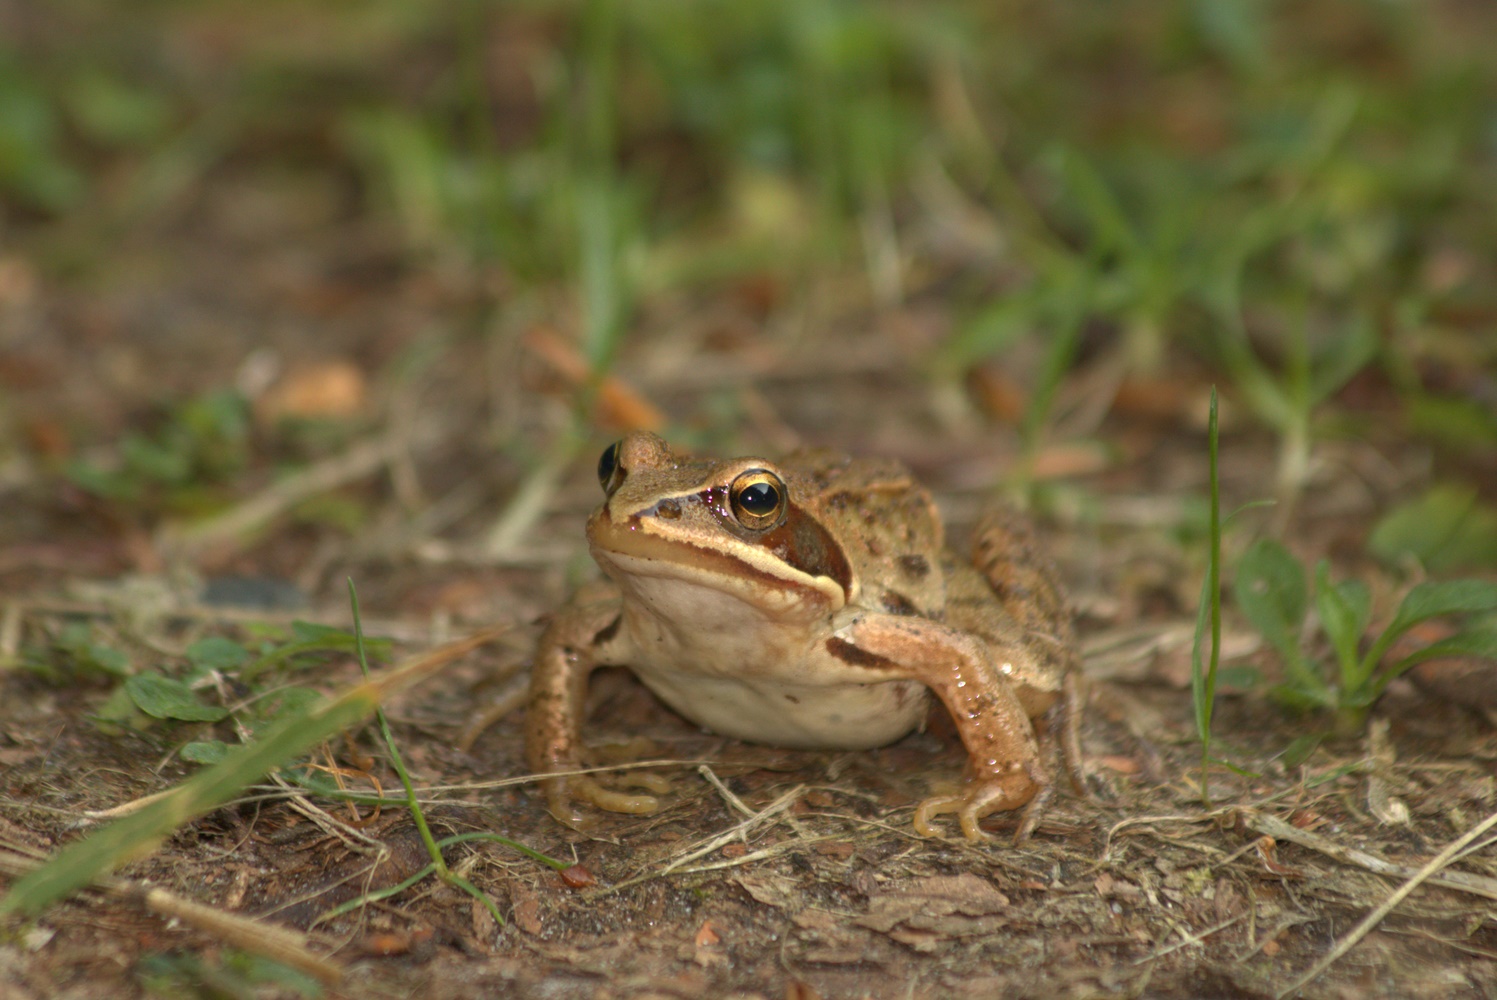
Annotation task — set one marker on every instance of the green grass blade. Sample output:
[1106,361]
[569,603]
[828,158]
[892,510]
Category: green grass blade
[211,787]
[81,862]
[1203,680]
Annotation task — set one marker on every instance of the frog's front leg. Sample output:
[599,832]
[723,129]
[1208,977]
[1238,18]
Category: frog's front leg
[1004,766]
[582,636]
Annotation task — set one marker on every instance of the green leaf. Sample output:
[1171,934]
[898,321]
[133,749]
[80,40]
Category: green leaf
[1270,590]
[205,751]
[1458,423]
[1445,528]
[155,462]
[1239,677]
[1301,699]
[76,640]
[1299,749]
[1347,353]
[117,113]
[1433,600]
[111,484]
[309,637]
[1480,642]
[1345,609]
[119,710]
[1237,769]
[1111,229]
[83,860]
[287,701]
[1201,698]
[1449,597]
[108,659]
[217,653]
[163,697]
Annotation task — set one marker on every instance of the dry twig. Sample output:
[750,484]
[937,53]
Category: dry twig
[1372,919]
[1272,826]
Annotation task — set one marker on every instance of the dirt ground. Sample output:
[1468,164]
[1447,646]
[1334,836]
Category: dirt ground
[770,873]
[822,888]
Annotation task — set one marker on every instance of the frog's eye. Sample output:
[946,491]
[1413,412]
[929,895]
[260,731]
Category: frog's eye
[610,473]
[758,498]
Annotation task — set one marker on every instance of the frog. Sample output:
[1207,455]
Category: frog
[812,603]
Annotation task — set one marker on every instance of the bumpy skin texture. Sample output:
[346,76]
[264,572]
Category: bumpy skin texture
[809,603]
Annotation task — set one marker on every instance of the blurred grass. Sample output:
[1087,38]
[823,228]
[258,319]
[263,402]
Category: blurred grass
[1285,192]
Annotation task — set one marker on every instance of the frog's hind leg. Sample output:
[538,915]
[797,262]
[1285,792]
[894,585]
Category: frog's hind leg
[1006,550]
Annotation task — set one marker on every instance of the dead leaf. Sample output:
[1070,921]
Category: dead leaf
[1122,765]
[327,390]
[816,920]
[839,850]
[769,890]
[527,913]
[923,912]
[577,877]
[1111,887]
[797,990]
[619,405]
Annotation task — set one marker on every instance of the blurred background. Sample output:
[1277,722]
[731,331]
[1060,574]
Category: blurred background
[293,291]
[290,289]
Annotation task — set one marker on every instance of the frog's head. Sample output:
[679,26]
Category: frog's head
[732,527]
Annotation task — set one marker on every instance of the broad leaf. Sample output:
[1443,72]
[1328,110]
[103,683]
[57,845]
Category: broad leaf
[1347,353]
[1299,749]
[1301,698]
[1270,590]
[309,637]
[1448,597]
[1345,609]
[216,653]
[205,751]
[163,697]
[1239,677]
[1445,528]
[1477,642]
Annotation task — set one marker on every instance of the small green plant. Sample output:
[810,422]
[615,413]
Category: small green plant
[172,692]
[1272,592]
[286,723]
[201,443]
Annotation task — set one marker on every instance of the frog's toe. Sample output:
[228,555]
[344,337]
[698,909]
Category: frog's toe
[593,793]
[563,794]
[939,805]
[1025,786]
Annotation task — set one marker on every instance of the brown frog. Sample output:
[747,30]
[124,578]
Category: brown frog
[809,603]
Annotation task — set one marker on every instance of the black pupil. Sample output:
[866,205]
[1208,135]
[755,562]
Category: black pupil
[607,463]
[759,498]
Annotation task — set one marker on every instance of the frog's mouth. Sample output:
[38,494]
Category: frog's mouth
[756,571]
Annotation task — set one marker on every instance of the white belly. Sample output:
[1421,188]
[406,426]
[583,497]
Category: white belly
[842,717]
[741,669]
